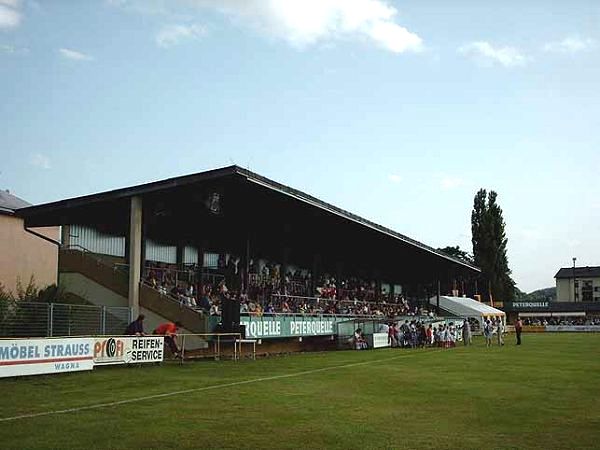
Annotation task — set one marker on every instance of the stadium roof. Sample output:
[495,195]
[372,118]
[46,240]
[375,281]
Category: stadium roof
[56,212]
[9,203]
[579,272]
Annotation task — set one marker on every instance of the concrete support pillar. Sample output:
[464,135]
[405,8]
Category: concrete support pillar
[65,236]
[135,253]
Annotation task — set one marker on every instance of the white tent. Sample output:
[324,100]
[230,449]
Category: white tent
[468,307]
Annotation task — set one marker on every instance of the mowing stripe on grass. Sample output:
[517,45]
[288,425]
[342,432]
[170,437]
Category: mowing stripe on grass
[208,388]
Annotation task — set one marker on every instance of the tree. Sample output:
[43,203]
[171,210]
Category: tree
[489,247]
[456,252]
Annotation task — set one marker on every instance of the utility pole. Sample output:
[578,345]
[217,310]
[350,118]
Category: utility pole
[574,281]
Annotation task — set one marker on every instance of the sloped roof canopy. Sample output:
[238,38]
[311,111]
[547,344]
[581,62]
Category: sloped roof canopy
[466,307]
[280,223]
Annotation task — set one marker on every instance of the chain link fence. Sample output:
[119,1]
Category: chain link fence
[30,319]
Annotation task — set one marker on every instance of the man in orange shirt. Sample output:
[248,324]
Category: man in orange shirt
[169,331]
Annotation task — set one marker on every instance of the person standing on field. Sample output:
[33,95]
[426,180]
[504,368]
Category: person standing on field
[500,331]
[518,330]
[466,333]
[487,332]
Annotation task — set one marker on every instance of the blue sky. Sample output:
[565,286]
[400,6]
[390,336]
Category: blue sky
[397,111]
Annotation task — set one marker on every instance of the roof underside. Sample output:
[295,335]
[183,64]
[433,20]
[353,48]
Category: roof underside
[275,217]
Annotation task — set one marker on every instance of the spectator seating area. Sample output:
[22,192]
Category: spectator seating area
[268,292]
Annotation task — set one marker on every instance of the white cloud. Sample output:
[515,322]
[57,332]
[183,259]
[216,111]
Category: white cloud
[74,55]
[39,160]
[448,182]
[571,44]
[304,22]
[394,178]
[10,15]
[171,35]
[487,54]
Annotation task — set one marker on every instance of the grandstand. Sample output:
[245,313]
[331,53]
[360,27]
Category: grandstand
[198,248]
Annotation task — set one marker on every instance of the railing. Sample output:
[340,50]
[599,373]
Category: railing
[123,270]
[31,319]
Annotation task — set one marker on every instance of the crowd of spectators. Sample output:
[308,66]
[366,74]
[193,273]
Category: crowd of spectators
[563,320]
[268,292]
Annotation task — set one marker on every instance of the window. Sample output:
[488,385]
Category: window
[211,260]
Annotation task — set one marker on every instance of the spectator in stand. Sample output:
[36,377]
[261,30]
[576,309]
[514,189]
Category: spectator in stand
[214,308]
[136,328]
[169,331]
[518,330]
[205,303]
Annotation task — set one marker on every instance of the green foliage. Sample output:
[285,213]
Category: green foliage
[540,295]
[489,247]
[456,252]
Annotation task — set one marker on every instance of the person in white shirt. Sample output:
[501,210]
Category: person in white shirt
[500,331]
[466,333]
[487,332]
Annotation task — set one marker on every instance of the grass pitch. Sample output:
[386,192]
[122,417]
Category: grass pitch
[544,394]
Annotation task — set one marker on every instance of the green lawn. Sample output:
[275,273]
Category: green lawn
[544,394]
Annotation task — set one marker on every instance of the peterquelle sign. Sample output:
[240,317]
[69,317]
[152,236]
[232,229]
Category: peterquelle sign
[526,305]
[128,350]
[287,326]
[38,356]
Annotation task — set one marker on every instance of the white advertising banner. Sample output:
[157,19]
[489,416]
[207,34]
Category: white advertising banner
[574,328]
[38,356]
[128,350]
[380,340]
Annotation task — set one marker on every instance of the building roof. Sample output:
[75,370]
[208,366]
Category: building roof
[247,175]
[579,272]
[9,203]
[466,307]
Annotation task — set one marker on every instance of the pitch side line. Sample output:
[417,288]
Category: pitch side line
[206,388]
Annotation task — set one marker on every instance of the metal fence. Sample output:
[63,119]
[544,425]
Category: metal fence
[30,319]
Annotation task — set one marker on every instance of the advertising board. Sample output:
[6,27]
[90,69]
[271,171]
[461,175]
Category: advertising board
[379,340]
[573,328]
[287,326]
[38,356]
[128,350]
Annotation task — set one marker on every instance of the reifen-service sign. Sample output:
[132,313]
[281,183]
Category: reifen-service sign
[128,350]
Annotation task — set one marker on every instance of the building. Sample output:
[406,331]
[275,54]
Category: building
[25,252]
[578,284]
[577,298]
[233,225]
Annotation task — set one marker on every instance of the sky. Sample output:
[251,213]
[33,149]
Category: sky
[398,111]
